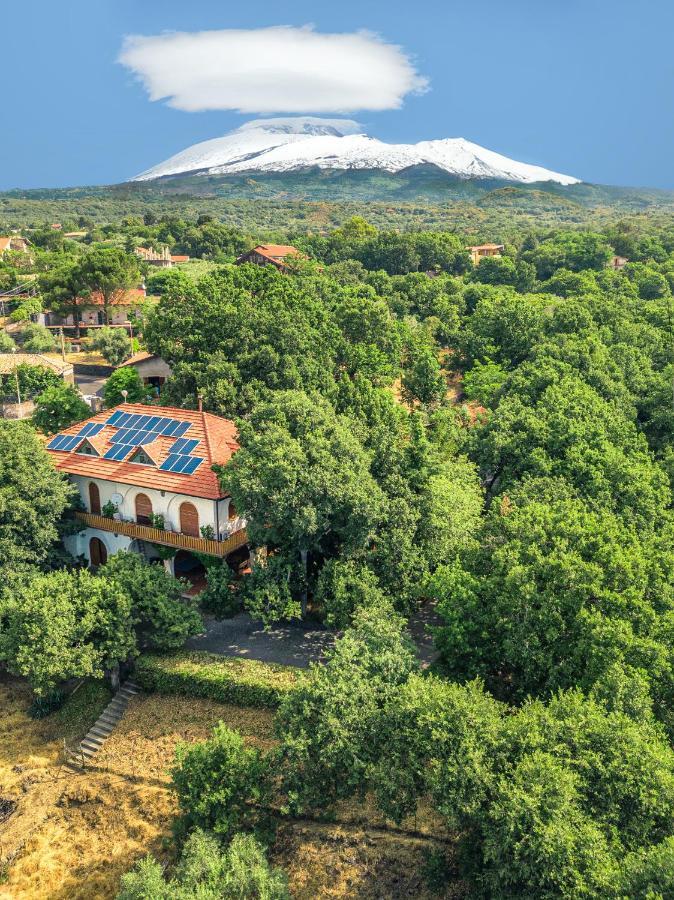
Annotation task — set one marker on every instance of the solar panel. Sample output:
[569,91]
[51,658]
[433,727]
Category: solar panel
[115,417]
[69,442]
[55,443]
[181,463]
[118,451]
[184,445]
[192,465]
[91,429]
[182,428]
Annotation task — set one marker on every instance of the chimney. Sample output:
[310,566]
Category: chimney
[200,403]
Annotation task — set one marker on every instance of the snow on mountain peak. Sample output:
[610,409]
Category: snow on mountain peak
[307,142]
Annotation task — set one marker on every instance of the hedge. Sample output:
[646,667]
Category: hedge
[242,682]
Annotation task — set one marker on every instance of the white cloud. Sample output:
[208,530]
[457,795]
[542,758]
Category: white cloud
[272,70]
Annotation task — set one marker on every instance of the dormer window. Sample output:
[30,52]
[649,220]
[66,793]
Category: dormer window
[142,458]
[87,449]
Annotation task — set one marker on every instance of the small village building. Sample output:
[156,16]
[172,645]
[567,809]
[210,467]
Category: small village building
[153,370]
[479,251]
[146,482]
[162,259]
[23,408]
[617,263]
[14,243]
[276,255]
[125,304]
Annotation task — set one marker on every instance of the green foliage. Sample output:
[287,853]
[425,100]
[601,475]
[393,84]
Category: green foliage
[65,625]
[483,381]
[33,380]
[220,596]
[162,617]
[197,674]
[33,497]
[206,871]
[345,586]
[23,311]
[220,784]
[126,379]
[37,338]
[58,407]
[7,344]
[113,344]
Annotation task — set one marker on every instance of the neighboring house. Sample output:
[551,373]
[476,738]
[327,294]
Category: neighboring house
[10,361]
[15,243]
[478,252]
[125,304]
[160,258]
[269,255]
[617,263]
[145,478]
[152,369]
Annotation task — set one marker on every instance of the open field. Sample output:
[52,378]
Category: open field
[81,832]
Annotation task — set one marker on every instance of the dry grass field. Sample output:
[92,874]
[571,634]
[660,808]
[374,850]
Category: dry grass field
[74,835]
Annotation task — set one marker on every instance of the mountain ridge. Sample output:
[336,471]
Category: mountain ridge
[287,145]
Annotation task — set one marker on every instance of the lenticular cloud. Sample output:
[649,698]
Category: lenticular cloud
[270,70]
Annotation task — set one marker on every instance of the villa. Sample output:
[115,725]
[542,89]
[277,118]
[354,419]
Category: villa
[145,479]
[269,255]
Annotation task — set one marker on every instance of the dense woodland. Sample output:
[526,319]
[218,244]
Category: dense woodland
[498,440]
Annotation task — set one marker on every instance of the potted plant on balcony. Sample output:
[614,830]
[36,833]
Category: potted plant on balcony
[109,510]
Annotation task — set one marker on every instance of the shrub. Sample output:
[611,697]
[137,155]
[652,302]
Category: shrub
[113,344]
[220,783]
[59,406]
[7,344]
[126,379]
[37,339]
[242,682]
[220,598]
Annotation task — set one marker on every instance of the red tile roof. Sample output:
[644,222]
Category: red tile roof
[131,297]
[180,259]
[275,253]
[217,444]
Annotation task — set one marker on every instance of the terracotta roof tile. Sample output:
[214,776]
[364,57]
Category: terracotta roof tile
[217,444]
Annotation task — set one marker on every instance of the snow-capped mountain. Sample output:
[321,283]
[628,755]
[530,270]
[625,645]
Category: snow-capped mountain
[296,144]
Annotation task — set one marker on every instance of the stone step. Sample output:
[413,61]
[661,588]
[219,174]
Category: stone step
[91,744]
[103,731]
[112,721]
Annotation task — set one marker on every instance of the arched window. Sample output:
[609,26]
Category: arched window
[189,519]
[98,555]
[143,509]
[231,512]
[94,499]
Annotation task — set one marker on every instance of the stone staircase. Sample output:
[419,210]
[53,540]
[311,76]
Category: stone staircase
[105,724]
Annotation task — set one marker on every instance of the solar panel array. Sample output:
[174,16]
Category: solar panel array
[64,442]
[182,463]
[134,430]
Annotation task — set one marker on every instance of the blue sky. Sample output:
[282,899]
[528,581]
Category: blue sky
[584,87]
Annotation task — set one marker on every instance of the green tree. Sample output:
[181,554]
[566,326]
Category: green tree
[109,272]
[65,625]
[303,480]
[33,498]
[113,344]
[7,344]
[126,379]
[37,338]
[58,407]
[163,619]
[220,784]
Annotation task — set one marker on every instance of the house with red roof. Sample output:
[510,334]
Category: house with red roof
[146,481]
[276,255]
[125,304]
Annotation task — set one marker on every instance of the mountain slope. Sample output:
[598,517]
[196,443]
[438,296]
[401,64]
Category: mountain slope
[301,144]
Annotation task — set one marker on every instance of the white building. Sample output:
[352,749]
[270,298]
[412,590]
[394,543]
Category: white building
[146,482]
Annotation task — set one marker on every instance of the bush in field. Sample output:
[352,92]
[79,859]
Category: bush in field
[113,344]
[37,339]
[58,407]
[221,784]
[207,871]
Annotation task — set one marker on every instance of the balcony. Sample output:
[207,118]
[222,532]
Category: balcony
[166,538]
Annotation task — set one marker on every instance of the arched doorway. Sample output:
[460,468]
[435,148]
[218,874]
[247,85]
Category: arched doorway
[98,555]
[191,569]
[189,519]
[143,509]
[94,498]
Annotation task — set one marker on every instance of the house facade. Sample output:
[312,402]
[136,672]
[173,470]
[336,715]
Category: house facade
[479,251]
[145,480]
[276,255]
[92,313]
[153,370]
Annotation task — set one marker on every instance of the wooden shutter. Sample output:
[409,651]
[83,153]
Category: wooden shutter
[94,499]
[143,509]
[98,555]
[189,519]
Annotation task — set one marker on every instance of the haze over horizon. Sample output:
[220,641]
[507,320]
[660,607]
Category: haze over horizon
[110,91]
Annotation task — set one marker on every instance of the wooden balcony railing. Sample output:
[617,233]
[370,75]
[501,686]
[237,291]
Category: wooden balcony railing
[167,538]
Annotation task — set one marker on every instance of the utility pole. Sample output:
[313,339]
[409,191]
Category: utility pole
[63,345]
[18,391]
